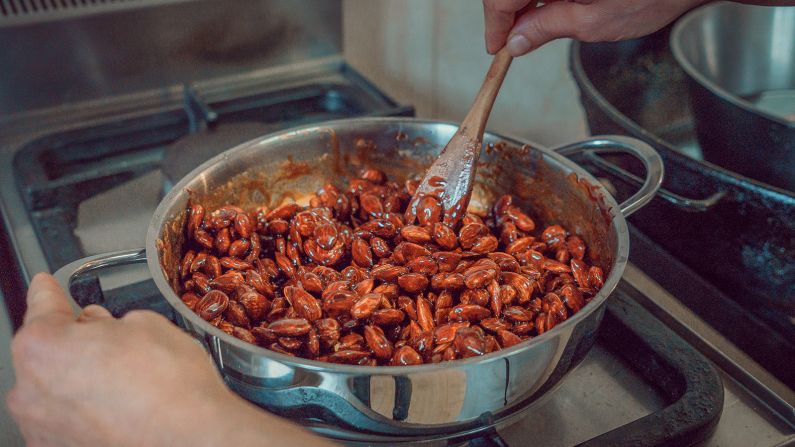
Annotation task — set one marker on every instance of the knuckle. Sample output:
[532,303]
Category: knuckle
[28,339]
[589,24]
[536,31]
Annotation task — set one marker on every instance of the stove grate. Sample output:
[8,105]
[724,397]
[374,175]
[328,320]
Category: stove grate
[57,172]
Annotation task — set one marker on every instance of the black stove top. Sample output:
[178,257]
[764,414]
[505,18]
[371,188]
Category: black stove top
[57,172]
[721,243]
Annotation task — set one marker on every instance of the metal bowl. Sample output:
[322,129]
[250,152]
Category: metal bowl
[741,62]
[351,402]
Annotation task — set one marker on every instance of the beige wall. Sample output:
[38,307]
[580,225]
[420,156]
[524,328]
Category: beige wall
[430,53]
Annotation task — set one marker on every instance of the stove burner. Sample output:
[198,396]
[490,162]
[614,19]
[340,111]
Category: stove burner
[57,172]
[188,153]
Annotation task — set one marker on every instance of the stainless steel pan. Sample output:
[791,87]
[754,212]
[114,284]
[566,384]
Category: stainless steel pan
[392,403]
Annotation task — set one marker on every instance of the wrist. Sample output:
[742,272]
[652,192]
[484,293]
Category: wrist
[228,419]
[200,419]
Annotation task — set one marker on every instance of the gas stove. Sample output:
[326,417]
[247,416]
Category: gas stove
[87,182]
[84,178]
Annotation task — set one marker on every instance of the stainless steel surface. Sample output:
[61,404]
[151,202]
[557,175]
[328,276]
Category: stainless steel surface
[741,63]
[753,398]
[65,274]
[441,398]
[582,407]
[553,421]
[603,393]
[22,12]
[645,153]
[685,203]
[740,52]
[100,56]
[744,370]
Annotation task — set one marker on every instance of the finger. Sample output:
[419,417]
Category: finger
[541,25]
[93,312]
[46,298]
[499,16]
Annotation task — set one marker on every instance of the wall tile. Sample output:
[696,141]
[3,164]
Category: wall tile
[391,42]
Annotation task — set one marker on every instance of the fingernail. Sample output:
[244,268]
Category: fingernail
[518,45]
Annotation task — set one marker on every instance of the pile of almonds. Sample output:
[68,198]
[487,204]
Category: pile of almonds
[355,279]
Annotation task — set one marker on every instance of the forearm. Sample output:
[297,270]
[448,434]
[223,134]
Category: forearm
[81,383]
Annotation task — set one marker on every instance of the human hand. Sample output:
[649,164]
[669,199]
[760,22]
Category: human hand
[138,380]
[522,27]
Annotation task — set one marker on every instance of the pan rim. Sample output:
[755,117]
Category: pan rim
[160,218]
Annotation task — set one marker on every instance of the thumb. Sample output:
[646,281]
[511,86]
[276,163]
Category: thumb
[46,298]
[541,25]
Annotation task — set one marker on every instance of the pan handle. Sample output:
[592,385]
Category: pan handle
[617,143]
[67,273]
[681,202]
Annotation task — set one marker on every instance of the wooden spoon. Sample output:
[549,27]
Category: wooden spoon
[452,175]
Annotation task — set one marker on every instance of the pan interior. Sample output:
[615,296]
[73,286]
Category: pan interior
[290,167]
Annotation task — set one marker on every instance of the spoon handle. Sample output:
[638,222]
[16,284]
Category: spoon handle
[451,177]
[474,123]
